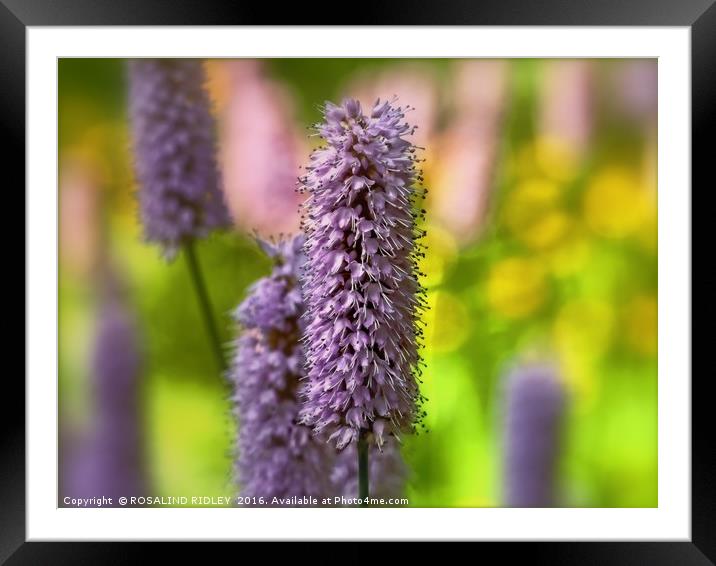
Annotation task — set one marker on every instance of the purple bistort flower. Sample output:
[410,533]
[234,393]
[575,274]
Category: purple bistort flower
[387,471]
[108,460]
[277,456]
[175,152]
[360,283]
[534,407]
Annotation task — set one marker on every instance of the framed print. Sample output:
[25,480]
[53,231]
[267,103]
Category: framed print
[360,283]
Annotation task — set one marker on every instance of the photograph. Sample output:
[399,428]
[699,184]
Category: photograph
[357,282]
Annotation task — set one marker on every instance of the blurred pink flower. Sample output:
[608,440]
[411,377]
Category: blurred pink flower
[566,102]
[79,203]
[413,84]
[461,167]
[637,85]
[261,151]
[479,91]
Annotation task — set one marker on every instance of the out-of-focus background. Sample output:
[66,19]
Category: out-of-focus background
[542,245]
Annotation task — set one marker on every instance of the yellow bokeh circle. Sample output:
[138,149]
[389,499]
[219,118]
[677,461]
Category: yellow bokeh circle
[516,287]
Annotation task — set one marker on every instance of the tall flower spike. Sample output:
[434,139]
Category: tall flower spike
[463,178]
[567,106]
[387,472]
[109,460]
[534,407]
[175,152]
[277,457]
[361,288]
[261,149]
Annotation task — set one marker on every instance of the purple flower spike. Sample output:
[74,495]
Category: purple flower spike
[361,288]
[277,457]
[175,152]
[108,460]
[387,473]
[534,408]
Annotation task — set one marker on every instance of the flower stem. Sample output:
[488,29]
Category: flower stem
[363,489]
[204,303]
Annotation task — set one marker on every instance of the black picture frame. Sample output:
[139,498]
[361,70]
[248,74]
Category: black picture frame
[699,15]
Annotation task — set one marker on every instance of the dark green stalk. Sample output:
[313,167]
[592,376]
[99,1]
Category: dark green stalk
[204,303]
[363,488]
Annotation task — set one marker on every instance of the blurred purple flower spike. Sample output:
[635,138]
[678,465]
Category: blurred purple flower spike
[637,84]
[360,283]
[535,403]
[180,192]
[276,456]
[108,460]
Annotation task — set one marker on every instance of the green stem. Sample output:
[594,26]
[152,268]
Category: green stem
[363,489]
[204,303]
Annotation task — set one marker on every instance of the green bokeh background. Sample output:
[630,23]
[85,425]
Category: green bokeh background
[587,297]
